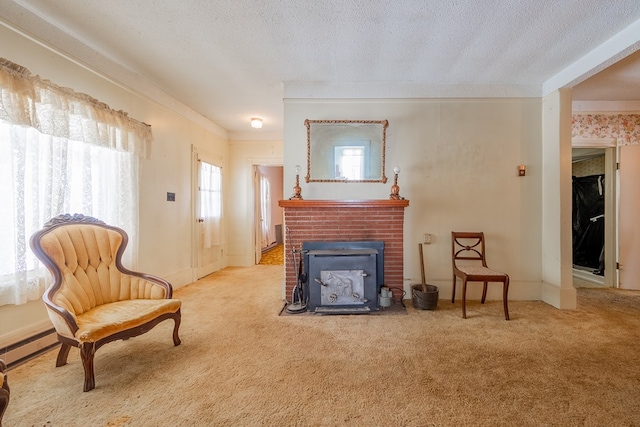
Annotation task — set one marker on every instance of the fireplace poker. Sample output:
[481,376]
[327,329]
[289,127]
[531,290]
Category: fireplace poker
[424,280]
[298,302]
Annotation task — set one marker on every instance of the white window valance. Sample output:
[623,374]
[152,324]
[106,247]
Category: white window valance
[28,100]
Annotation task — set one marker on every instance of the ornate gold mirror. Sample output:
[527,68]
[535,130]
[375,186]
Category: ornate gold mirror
[346,150]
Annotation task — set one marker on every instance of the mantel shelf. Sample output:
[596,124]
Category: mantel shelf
[374,203]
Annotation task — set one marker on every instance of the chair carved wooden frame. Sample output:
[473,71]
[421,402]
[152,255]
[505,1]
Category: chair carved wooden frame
[469,247]
[94,299]
[4,390]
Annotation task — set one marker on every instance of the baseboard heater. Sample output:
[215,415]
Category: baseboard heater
[22,351]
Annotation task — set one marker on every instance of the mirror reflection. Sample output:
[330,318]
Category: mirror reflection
[346,150]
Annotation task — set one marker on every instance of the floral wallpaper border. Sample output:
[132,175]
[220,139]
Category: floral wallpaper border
[623,128]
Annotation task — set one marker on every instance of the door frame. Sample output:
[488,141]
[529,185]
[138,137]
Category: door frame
[255,208]
[610,204]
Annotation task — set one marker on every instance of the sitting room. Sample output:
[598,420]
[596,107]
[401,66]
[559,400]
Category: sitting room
[391,127]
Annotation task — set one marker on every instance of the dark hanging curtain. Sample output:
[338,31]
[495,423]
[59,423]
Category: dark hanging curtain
[588,222]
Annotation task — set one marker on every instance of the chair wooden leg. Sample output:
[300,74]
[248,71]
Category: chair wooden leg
[453,294]
[62,355]
[87,352]
[464,299]
[505,291]
[484,293]
[176,338]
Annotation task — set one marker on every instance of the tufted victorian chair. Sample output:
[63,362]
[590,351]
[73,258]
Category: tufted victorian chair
[93,299]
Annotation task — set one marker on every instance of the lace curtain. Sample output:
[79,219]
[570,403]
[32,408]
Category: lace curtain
[28,100]
[60,152]
[265,211]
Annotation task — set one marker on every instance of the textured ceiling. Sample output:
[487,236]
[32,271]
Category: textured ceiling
[230,60]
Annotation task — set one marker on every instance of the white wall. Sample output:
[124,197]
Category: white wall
[165,227]
[458,161]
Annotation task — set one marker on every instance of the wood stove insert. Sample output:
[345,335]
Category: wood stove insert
[343,277]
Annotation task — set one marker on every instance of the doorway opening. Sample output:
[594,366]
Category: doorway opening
[269,216]
[593,216]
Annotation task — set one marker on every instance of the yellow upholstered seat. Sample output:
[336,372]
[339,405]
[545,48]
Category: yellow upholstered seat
[107,319]
[93,299]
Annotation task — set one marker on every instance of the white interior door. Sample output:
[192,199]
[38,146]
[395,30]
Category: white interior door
[210,251]
[629,210]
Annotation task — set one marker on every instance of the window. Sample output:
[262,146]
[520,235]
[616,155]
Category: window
[211,203]
[349,162]
[60,152]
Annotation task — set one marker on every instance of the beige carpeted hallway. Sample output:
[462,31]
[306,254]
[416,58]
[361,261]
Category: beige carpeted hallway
[273,256]
[241,364]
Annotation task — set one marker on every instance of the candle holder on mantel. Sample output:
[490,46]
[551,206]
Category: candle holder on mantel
[395,189]
[297,191]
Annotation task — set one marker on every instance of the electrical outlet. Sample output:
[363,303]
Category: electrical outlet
[427,238]
[171,197]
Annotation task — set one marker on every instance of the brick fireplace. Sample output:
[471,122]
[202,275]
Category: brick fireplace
[346,220]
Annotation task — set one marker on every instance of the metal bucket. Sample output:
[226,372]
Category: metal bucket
[424,300]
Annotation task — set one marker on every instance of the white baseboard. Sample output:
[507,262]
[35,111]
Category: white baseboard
[563,298]
[518,290]
[180,278]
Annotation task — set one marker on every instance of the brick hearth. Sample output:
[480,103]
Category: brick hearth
[346,220]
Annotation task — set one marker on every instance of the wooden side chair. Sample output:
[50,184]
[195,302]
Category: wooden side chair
[470,265]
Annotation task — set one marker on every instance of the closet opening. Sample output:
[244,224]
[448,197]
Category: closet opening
[593,207]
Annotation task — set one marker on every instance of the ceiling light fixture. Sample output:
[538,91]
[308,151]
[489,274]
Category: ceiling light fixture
[256,123]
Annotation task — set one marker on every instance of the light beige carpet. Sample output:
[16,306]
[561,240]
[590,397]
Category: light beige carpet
[240,364]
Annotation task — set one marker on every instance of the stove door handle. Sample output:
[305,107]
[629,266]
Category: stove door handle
[321,282]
